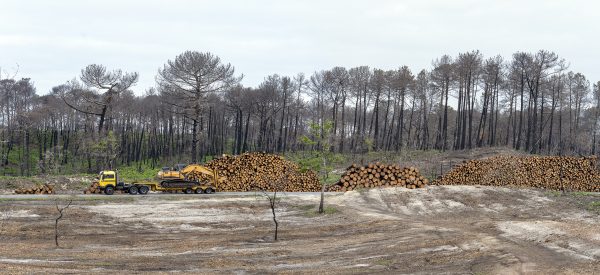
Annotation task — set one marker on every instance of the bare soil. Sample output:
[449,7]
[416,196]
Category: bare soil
[438,229]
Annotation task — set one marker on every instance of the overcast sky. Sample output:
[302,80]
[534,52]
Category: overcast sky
[51,41]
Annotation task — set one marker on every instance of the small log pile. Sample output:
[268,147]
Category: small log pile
[93,189]
[379,175]
[547,172]
[262,171]
[40,189]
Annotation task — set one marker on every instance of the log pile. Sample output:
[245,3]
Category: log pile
[379,175]
[40,189]
[548,172]
[93,189]
[262,171]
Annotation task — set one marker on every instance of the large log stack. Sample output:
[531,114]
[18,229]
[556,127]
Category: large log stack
[40,189]
[379,175]
[261,171]
[548,172]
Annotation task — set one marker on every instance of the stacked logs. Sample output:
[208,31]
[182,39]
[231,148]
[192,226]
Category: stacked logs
[40,189]
[93,189]
[379,175]
[548,172]
[261,171]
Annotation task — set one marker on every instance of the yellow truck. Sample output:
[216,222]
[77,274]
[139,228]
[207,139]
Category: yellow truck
[184,179]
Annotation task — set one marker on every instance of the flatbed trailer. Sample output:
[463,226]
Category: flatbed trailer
[187,187]
[108,182]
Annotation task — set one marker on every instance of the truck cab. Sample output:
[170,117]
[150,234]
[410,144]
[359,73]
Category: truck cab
[108,181]
[107,178]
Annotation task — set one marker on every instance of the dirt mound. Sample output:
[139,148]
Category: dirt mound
[262,171]
[377,175]
[549,172]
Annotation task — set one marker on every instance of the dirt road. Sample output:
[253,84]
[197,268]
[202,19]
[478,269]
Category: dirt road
[439,229]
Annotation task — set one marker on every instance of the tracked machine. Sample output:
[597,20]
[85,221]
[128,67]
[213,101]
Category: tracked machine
[199,178]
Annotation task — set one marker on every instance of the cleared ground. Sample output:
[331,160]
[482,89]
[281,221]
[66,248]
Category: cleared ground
[438,229]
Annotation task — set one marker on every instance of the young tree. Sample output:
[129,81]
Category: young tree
[186,81]
[273,200]
[60,211]
[321,158]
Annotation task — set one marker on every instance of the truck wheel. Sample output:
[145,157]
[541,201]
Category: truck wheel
[209,190]
[133,190]
[109,190]
[199,190]
[189,191]
[143,190]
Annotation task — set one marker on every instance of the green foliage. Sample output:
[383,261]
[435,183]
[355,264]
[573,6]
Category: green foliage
[106,150]
[319,158]
[332,179]
[307,141]
[51,162]
[16,161]
[314,162]
[310,162]
[370,143]
[134,173]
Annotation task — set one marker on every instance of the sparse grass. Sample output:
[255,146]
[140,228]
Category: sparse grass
[104,198]
[312,211]
[384,262]
[306,207]
[579,194]
[554,193]
[24,199]
[594,206]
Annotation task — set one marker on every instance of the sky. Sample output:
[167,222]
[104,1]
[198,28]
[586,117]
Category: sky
[51,41]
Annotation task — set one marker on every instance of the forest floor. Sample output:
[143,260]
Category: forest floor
[437,229]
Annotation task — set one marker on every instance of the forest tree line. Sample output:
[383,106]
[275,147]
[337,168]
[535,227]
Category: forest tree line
[198,108]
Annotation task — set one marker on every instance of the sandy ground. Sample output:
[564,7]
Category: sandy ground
[435,230]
